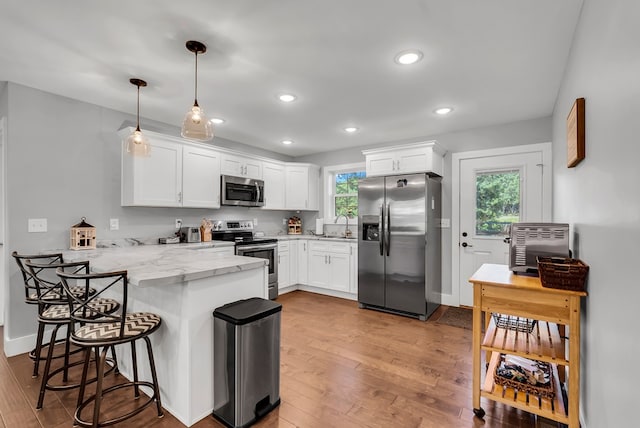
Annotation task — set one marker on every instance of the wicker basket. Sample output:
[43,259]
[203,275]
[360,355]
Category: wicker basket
[564,273]
[545,390]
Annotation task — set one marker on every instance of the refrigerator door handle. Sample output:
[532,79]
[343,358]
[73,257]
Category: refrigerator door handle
[387,229]
[381,231]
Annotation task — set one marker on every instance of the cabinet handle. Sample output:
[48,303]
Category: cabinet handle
[351,251]
[329,258]
[179,196]
[398,164]
[325,259]
[278,258]
[304,246]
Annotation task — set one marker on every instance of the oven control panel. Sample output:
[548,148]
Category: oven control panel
[231,225]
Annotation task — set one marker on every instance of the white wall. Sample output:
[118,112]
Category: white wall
[63,163]
[510,134]
[601,200]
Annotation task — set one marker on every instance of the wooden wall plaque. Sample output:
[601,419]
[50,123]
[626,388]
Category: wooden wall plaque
[575,134]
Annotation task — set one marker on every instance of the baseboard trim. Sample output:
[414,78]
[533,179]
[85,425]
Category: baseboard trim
[24,344]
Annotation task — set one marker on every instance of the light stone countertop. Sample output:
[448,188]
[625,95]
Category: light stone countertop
[313,238]
[156,265]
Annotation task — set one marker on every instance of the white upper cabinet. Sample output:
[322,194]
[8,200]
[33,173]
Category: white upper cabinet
[301,186]
[406,159]
[273,175]
[173,175]
[241,166]
[200,177]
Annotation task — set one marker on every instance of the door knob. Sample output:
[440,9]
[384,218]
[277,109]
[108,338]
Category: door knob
[465,245]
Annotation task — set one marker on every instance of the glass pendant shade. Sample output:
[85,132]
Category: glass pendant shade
[196,125]
[138,144]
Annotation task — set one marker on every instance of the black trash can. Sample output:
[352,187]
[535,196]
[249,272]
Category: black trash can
[246,361]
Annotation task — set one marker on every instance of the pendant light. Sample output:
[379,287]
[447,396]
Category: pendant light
[196,126]
[137,142]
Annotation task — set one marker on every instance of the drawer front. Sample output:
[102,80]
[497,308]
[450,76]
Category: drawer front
[526,303]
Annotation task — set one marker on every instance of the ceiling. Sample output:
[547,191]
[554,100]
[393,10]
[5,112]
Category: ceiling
[493,61]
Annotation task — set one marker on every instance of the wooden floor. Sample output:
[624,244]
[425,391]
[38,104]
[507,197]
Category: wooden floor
[340,367]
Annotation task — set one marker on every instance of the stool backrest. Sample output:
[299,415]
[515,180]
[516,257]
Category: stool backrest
[30,287]
[49,288]
[82,308]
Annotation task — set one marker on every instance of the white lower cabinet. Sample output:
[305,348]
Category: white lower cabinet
[330,265]
[284,262]
[293,262]
[303,262]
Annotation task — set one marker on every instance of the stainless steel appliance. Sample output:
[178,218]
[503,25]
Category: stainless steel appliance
[239,191]
[527,241]
[241,232]
[189,234]
[399,244]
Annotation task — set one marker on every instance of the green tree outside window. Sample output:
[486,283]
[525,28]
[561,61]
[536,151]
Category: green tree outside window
[346,193]
[497,201]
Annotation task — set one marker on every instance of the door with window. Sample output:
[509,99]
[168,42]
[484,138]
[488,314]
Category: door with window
[495,191]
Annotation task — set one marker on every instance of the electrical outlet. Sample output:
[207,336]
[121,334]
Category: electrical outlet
[114,224]
[178,223]
[445,223]
[37,225]
[284,221]
[255,222]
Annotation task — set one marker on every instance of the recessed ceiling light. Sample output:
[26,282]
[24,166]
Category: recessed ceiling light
[216,120]
[287,142]
[408,57]
[350,129]
[287,98]
[443,110]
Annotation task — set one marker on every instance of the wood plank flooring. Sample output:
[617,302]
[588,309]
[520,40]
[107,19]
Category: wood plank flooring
[340,367]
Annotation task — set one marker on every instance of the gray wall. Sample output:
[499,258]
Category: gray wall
[505,135]
[600,199]
[63,163]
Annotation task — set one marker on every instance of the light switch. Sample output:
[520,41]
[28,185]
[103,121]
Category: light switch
[37,225]
[114,224]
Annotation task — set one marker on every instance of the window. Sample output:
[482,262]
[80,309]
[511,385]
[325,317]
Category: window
[345,194]
[497,201]
[341,191]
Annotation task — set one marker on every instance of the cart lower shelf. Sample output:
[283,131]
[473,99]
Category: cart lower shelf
[551,409]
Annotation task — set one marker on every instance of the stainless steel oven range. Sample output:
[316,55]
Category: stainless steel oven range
[241,232]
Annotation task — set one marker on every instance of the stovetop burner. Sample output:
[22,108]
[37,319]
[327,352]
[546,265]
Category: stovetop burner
[238,231]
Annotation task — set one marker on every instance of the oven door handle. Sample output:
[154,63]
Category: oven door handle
[257,247]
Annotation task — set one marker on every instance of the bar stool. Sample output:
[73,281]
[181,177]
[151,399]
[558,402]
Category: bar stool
[53,310]
[31,298]
[110,330]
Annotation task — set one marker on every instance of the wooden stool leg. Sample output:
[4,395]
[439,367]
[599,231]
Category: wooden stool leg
[154,377]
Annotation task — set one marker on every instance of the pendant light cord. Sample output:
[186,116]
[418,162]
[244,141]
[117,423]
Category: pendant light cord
[138,110]
[196,79]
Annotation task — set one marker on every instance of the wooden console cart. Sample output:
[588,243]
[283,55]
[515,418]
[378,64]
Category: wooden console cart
[496,290]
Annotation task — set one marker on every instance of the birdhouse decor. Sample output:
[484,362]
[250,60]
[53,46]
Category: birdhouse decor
[83,236]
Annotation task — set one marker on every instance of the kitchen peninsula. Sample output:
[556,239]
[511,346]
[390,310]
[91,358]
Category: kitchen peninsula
[183,284]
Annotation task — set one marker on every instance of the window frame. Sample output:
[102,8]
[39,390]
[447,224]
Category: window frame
[329,180]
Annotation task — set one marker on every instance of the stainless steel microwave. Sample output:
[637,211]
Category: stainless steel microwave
[240,191]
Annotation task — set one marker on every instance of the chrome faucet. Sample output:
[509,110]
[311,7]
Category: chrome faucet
[347,232]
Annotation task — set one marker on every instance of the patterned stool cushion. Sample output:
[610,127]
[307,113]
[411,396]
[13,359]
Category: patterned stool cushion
[60,312]
[77,291]
[136,324]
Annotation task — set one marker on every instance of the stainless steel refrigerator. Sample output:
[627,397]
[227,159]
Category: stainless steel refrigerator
[399,267]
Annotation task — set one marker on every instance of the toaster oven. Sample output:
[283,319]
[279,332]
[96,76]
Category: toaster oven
[528,241]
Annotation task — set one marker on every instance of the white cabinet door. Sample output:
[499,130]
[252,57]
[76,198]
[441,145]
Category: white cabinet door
[303,262]
[293,262]
[353,283]
[319,273]
[274,179]
[302,187]
[200,178]
[380,164]
[340,274]
[284,279]
[412,160]
[297,185]
[154,181]
[240,166]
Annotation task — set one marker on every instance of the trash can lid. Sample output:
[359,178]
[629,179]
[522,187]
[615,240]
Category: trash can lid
[246,311]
